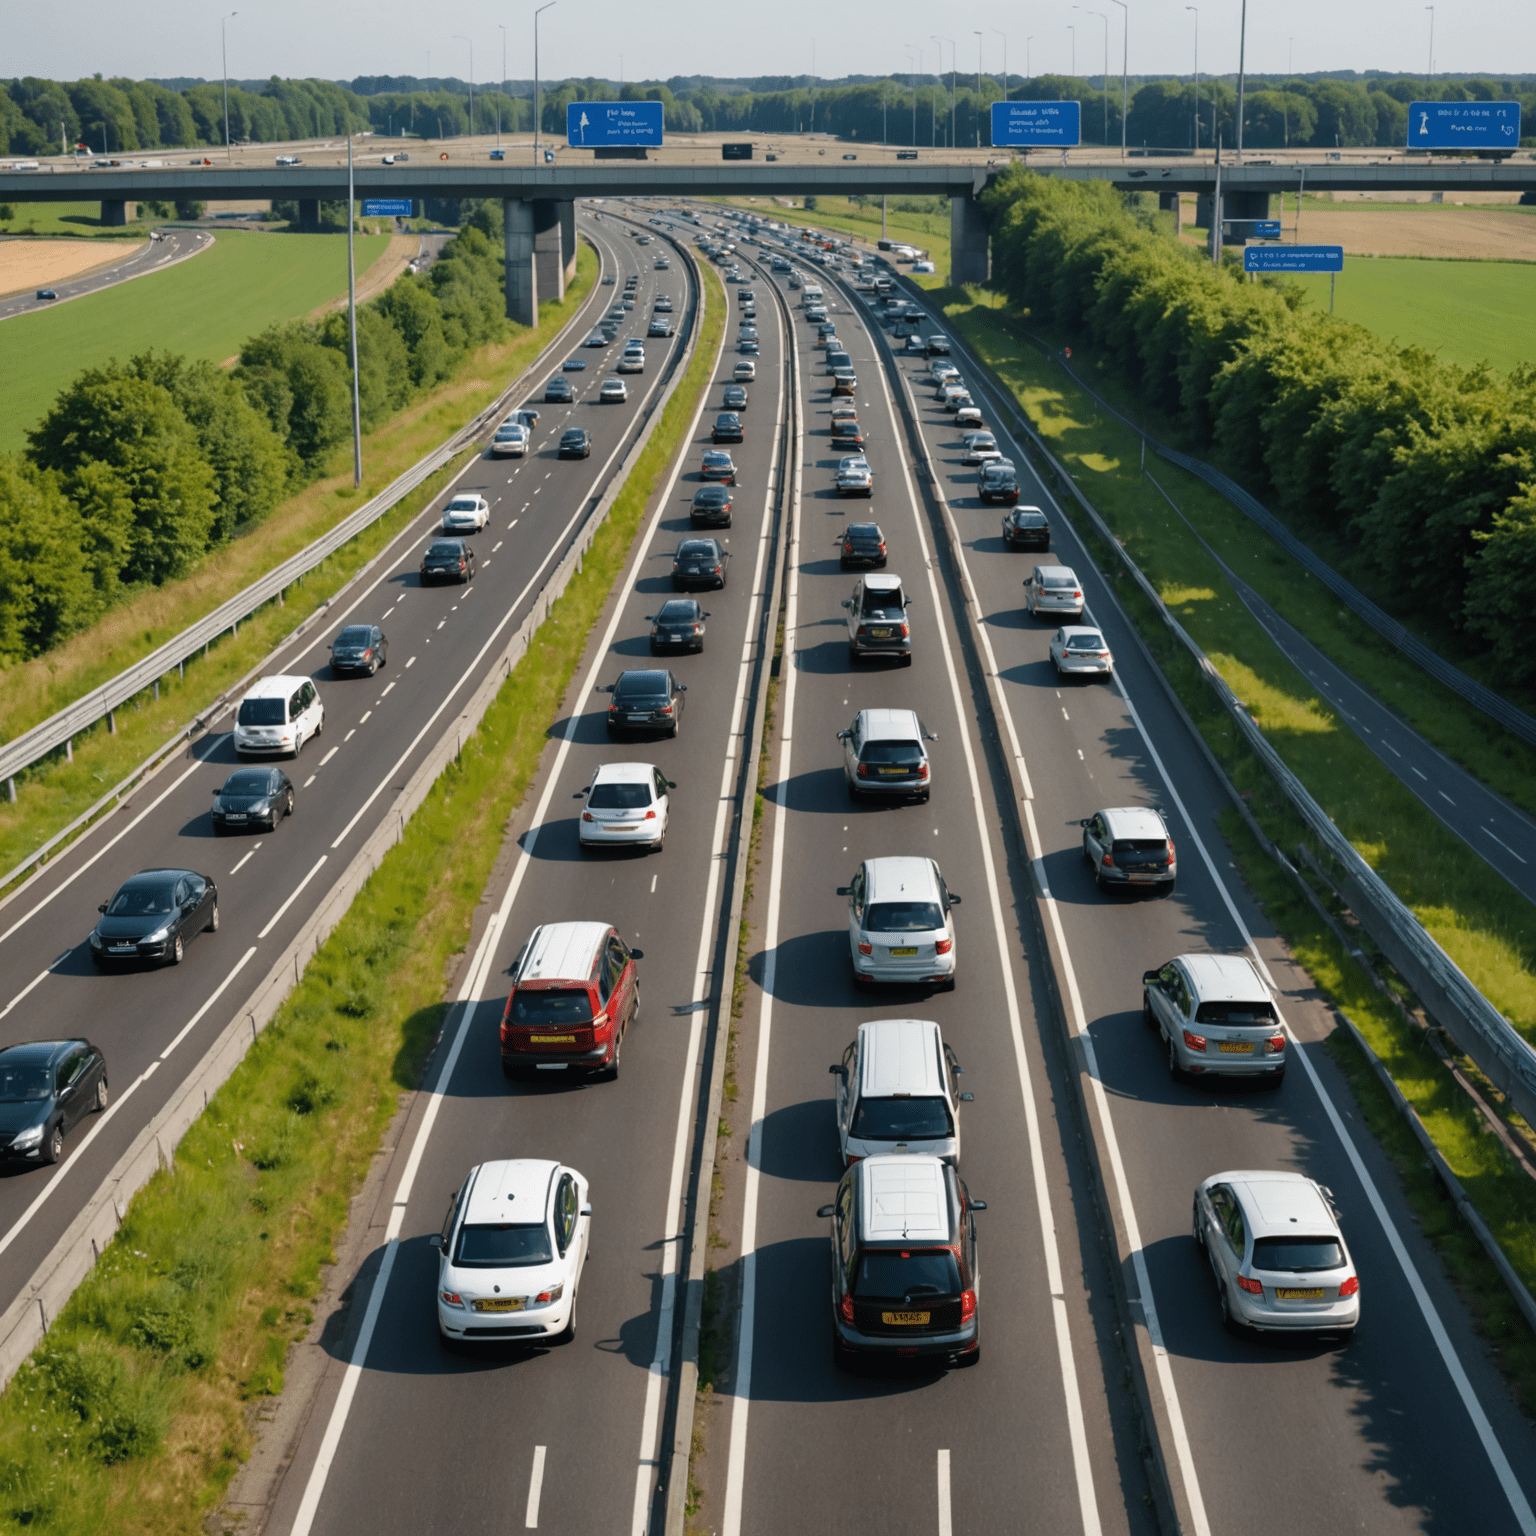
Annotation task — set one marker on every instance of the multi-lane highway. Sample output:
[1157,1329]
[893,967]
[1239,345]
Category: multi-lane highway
[155,1025]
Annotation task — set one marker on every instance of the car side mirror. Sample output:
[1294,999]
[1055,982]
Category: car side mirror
[703,615]
[825,1210]
[637,954]
[837,1069]
[954,900]
[671,783]
[435,1241]
[603,688]
[214,790]
[842,890]
[978,1205]
[650,618]
[844,735]
[847,602]
[102,907]
[930,735]
[1151,979]
[586,1210]
[967,1098]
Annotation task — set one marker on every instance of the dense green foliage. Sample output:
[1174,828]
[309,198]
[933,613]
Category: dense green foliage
[139,468]
[1427,468]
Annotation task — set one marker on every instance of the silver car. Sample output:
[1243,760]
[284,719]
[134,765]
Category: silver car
[1079,651]
[1053,589]
[1216,1018]
[1277,1253]
[899,923]
[884,755]
[626,804]
[1129,845]
[898,1091]
[854,476]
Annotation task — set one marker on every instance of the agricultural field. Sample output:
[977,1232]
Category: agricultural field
[205,308]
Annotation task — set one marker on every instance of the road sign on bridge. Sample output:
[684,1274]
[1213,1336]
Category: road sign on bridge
[1464,125]
[591,124]
[1037,122]
[1254,229]
[1293,258]
[387,207]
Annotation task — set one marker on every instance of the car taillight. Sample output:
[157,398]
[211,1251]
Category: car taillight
[1109,861]
[1253,1287]
[845,1306]
[905,631]
[554,1293]
[1351,1287]
[1193,1041]
[866,949]
[863,770]
[922,771]
[967,1306]
[664,709]
[461,565]
[717,570]
[1077,597]
[588,816]
[452,1298]
[863,629]
[1274,1045]
[944,946]
[1171,854]
[650,815]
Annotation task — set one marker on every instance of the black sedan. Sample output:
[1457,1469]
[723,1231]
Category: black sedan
[645,700]
[575,443]
[678,627]
[734,398]
[727,428]
[46,1088]
[154,916]
[252,797]
[862,547]
[700,563]
[447,560]
[558,391]
[46,294]
[1027,528]
[711,507]
[847,434]
[359,648]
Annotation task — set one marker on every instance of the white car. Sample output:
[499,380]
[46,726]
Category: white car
[510,441]
[744,373]
[979,447]
[278,716]
[613,392]
[467,513]
[968,416]
[511,1252]
[627,804]
[633,360]
[1216,1017]
[899,923]
[1078,650]
[854,476]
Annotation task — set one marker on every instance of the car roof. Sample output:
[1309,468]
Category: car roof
[511,1189]
[900,1056]
[1279,1203]
[889,724]
[1224,978]
[624,773]
[561,952]
[1058,573]
[905,1200]
[1130,820]
[879,582]
[896,874]
[278,686]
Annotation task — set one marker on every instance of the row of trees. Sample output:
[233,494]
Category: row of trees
[140,468]
[1429,469]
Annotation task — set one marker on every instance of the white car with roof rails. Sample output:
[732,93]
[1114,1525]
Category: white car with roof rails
[466,513]
[627,806]
[898,1091]
[277,716]
[1129,845]
[511,1252]
[1216,1018]
[900,928]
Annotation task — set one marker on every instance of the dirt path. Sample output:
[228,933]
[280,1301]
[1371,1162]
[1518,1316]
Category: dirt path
[398,255]
[29,264]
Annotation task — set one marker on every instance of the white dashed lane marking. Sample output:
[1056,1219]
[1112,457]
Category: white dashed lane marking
[329,755]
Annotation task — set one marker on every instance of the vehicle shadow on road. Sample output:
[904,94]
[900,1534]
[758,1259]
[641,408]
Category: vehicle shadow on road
[799,1142]
[1132,1060]
[591,725]
[817,789]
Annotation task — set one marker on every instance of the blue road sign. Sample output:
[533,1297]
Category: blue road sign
[1293,258]
[592,123]
[1254,229]
[1037,122]
[1463,125]
[387,207]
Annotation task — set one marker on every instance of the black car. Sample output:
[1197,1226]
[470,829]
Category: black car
[252,797]
[447,560]
[847,433]
[734,398]
[862,547]
[359,648]
[575,443]
[700,563]
[678,627]
[597,338]
[558,391]
[46,1088]
[645,700]
[1027,528]
[727,428]
[154,916]
[998,481]
[711,507]
[46,294]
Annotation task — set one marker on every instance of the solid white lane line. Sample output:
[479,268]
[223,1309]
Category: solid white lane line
[946,1518]
[535,1487]
[329,755]
[277,916]
[36,981]
[1502,844]
[241,865]
[213,997]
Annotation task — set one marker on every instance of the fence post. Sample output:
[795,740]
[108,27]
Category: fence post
[111,725]
[10,789]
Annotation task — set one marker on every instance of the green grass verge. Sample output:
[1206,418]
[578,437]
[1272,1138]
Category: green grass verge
[82,220]
[54,792]
[204,307]
[130,1418]
[1467,311]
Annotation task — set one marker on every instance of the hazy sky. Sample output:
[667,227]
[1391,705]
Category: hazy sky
[164,38]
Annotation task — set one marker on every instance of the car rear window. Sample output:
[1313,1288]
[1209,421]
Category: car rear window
[643,685]
[1055,579]
[902,1120]
[264,712]
[1297,1254]
[462,504]
[882,605]
[903,917]
[681,611]
[1085,642]
[694,550]
[907,753]
[557,1006]
[901,1275]
[1236,1013]
[444,549]
[355,634]
[619,797]
[503,1247]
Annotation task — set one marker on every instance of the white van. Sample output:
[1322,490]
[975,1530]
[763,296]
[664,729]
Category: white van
[898,1091]
[278,716]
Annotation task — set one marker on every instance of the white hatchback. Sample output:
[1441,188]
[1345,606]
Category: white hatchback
[899,923]
[627,804]
[468,513]
[613,392]
[511,1252]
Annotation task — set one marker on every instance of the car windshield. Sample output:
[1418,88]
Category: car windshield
[1234,1012]
[619,797]
[565,1007]
[353,634]
[900,1274]
[506,1246]
[1085,642]
[21,1082]
[998,472]
[908,753]
[1297,1254]
[444,549]
[263,712]
[902,1120]
[251,782]
[903,917]
[143,901]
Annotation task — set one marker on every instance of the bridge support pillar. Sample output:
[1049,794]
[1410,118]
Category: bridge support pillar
[522,287]
[568,238]
[548,259]
[1170,202]
[309,215]
[114,212]
[969,242]
[1234,205]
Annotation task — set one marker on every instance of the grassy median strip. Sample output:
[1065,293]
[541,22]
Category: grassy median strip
[135,1412]
[55,791]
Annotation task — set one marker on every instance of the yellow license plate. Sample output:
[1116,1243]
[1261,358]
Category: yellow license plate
[500,1304]
[1237,1047]
[1292,1294]
[881,634]
[552,1039]
[905,1319]
[909,953]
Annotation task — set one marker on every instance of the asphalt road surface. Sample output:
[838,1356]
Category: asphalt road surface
[150,256]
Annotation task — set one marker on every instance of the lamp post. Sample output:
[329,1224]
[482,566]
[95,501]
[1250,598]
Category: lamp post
[952,67]
[1285,102]
[357,414]
[1027,74]
[979,36]
[503,91]
[1073,31]
[1105,19]
[933,113]
[459,37]
[912,58]
[1004,37]
[224,50]
[1196,10]
[538,100]
[1431,11]
[1242,46]
[1125,92]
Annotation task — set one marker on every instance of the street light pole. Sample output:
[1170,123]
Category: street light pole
[1004,37]
[1242,46]
[224,50]
[503,91]
[1027,74]
[538,100]
[1125,92]
[357,413]
[952,67]
[1105,19]
[1431,11]
[1196,10]
[1073,31]
[912,59]
[979,36]
[459,37]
